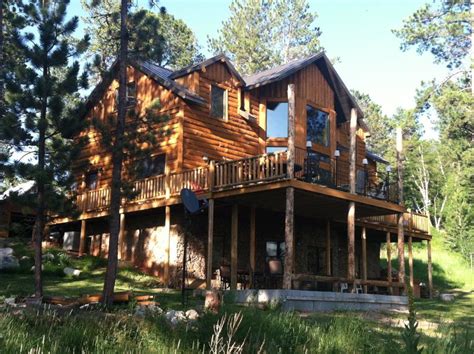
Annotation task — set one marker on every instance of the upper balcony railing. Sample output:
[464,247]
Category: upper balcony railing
[254,170]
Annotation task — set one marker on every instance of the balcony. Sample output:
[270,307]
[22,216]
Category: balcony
[258,170]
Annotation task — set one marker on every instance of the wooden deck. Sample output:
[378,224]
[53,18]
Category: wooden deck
[236,177]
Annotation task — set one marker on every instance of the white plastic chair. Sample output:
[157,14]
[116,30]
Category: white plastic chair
[358,289]
[344,287]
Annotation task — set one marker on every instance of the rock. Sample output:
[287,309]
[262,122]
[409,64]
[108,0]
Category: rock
[175,317]
[72,272]
[48,257]
[446,297]
[142,310]
[192,315]
[7,259]
[10,301]
[213,301]
[24,258]
[33,268]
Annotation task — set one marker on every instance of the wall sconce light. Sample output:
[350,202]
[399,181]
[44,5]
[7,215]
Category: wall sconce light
[337,153]
[388,168]
[309,144]
[365,162]
[205,159]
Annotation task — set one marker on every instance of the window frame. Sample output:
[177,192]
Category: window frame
[153,157]
[225,105]
[129,104]
[327,150]
[275,141]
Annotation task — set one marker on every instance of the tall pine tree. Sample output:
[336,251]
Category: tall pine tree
[45,124]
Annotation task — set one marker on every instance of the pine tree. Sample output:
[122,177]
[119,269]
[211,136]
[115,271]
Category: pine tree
[261,34]
[42,123]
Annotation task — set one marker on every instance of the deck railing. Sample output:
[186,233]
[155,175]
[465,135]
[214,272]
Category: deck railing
[411,221]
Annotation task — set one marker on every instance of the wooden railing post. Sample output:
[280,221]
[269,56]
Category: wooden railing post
[211,175]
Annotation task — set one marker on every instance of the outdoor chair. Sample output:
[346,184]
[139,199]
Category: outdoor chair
[224,272]
[344,287]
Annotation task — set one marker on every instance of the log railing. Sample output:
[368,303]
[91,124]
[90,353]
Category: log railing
[149,188]
[412,221]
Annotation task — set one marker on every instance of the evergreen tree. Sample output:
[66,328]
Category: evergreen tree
[43,124]
[261,34]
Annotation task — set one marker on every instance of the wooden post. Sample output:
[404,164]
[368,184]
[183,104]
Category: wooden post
[291,131]
[351,212]
[82,241]
[167,233]
[121,235]
[210,242]
[410,261]
[328,247]
[233,247]
[430,270]
[289,238]
[290,192]
[389,264]
[401,250]
[364,258]
[400,164]
[252,244]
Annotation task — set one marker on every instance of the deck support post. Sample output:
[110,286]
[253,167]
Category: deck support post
[121,236]
[167,234]
[233,247]
[364,258]
[328,247]
[389,264]
[82,240]
[400,228]
[210,243]
[430,270]
[252,245]
[352,189]
[410,261]
[289,238]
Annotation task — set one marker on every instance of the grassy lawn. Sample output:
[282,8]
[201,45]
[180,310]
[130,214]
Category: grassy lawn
[444,327]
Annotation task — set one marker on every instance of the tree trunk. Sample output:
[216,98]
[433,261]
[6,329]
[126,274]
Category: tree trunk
[117,160]
[2,64]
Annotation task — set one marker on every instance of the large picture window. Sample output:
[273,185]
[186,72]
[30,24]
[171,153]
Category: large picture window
[218,102]
[277,120]
[317,126]
[152,166]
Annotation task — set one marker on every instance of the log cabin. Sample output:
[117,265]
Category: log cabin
[294,199]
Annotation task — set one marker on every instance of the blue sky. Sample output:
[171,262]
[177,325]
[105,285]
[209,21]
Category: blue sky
[358,32]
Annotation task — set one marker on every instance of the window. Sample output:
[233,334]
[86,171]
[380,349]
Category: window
[274,149]
[92,179]
[131,95]
[152,166]
[218,102]
[275,249]
[317,126]
[277,120]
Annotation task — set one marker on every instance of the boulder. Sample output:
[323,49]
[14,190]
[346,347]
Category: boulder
[175,317]
[48,257]
[7,259]
[10,301]
[446,297]
[213,301]
[192,315]
[72,272]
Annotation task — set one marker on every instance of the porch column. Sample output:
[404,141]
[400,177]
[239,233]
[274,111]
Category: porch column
[430,270]
[400,227]
[166,231]
[252,244]
[410,261]
[233,247]
[389,264]
[82,241]
[121,235]
[364,258]
[351,212]
[290,192]
[328,247]
[210,242]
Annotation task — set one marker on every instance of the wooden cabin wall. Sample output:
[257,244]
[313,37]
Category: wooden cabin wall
[93,155]
[191,81]
[215,138]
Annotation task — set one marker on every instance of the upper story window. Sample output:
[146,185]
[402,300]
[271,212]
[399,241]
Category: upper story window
[152,166]
[131,95]
[92,179]
[218,102]
[317,126]
[277,119]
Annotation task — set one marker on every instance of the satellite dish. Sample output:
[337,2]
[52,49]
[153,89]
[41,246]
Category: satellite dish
[190,201]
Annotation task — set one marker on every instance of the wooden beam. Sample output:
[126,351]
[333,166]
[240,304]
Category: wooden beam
[252,244]
[410,261]
[401,249]
[289,238]
[291,131]
[167,234]
[121,235]
[352,151]
[364,257]
[430,270]
[351,242]
[328,247]
[210,243]
[233,247]
[389,264]
[82,241]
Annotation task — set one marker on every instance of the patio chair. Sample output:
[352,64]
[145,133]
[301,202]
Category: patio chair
[359,289]
[224,272]
[344,287]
